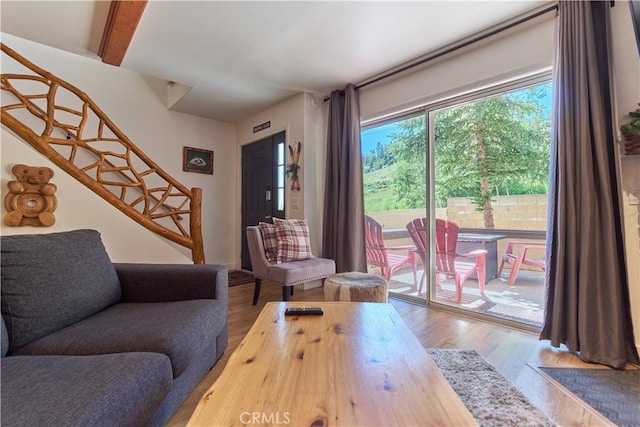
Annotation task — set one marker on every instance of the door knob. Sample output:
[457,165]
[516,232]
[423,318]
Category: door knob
[268,217]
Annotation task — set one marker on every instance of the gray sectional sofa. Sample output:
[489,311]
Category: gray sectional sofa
[89,343]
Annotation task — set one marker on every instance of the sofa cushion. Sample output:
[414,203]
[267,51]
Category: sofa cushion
[107,390]
[291,273]
[178,329]
[50,281]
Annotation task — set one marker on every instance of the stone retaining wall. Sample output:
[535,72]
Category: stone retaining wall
[525,212]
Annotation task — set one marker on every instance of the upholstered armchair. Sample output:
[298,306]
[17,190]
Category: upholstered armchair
[285,274]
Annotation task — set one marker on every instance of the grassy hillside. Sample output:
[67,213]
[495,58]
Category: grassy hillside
[378,194]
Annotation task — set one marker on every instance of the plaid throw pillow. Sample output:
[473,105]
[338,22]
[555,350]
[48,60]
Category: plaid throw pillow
[269,240]
[293,240]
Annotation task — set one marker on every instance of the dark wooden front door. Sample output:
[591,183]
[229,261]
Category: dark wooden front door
[263,168]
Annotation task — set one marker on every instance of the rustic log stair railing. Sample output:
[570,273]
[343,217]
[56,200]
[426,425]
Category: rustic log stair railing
[64,124]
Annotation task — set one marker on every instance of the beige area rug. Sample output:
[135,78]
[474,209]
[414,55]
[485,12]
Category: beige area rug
[488,395]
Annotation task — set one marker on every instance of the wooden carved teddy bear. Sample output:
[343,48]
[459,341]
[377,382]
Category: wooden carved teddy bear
[31,199]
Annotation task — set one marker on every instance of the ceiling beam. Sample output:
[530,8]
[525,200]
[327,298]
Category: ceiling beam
[121,24]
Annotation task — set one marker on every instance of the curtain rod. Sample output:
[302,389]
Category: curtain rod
[459,46]
[456,47]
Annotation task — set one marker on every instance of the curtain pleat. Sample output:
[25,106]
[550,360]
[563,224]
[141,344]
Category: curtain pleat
[343,228]
[587,304]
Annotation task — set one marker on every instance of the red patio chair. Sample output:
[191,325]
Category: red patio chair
[379,255]
[518,260]
[448,262]
[418,232]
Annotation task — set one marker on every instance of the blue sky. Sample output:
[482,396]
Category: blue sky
[369,138]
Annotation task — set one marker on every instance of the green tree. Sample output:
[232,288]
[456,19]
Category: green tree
[376,159]
[492,146]
[408,149]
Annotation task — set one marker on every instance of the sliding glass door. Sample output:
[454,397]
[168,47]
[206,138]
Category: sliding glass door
[490,178]
[394,176]
[480,182]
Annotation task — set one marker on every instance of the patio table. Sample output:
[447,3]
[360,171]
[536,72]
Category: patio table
[468,242]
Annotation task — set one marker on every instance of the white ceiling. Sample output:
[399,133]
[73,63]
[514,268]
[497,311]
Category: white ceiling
[239,57]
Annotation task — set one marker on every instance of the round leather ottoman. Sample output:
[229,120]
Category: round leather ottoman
[356,287]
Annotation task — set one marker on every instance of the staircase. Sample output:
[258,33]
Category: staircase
[63,123]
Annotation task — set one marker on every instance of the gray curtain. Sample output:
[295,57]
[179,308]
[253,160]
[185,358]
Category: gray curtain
[343,230]
[587,303]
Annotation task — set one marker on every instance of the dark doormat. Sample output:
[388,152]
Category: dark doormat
[239,277]
[615,394]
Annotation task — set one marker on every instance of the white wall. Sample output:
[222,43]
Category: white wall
[515,52]
[315,130]
[136,104]
[626,62]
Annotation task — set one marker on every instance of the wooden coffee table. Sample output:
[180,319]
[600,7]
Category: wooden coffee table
[358,364]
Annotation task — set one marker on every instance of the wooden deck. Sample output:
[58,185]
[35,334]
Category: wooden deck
[522,302]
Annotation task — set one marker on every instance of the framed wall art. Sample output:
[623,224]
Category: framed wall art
[197,160]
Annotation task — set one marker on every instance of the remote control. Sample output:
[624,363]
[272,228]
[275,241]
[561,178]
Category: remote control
[304,311]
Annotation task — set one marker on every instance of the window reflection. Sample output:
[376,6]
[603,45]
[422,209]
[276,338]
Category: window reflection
[281,176]
[280,199]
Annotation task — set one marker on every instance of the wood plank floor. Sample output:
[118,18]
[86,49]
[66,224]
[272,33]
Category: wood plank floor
[516,354]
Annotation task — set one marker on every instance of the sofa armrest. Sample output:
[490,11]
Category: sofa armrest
[172,282]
